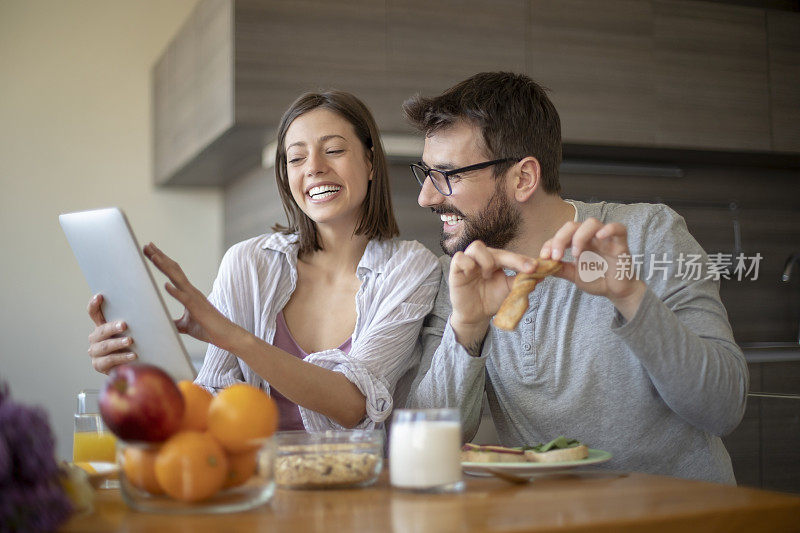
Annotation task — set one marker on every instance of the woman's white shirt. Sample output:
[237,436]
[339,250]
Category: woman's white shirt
[399,281]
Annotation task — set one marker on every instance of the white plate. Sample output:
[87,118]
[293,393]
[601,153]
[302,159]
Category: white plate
[483,469]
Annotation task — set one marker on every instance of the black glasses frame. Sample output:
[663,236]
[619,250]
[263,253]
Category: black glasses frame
[422,171]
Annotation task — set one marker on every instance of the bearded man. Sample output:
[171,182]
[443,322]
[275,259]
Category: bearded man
[646,369]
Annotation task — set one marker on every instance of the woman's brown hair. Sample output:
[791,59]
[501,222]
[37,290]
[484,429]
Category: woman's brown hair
[377,217]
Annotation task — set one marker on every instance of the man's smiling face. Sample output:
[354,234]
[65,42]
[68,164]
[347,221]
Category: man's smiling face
[479,208]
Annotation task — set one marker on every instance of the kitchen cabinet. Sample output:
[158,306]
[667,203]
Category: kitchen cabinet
[783,31]
[765,448]
[780,426]
[193,91]
[434,45]
[224,82]
[285,47]
[654,74]
[597,60]
[711,76]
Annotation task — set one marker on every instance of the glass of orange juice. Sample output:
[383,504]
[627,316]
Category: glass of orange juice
[93,444]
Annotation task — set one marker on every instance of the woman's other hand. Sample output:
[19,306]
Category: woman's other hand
[105,349]
[200,319]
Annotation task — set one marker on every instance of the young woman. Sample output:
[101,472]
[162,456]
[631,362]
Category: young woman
[324,313]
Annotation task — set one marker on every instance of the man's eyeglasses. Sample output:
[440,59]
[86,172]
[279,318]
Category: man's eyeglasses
[441,178]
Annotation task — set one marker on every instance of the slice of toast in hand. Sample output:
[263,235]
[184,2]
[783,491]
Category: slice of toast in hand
[516,303]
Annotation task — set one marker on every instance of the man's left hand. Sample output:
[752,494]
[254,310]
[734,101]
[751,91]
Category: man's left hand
[609,241]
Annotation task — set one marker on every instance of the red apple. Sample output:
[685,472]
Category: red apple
[140,402]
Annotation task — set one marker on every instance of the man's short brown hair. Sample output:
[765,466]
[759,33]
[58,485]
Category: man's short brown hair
[377,217]
[513,113]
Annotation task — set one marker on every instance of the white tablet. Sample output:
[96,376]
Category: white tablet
[114,265]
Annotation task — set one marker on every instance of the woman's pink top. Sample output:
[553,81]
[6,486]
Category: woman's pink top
[289,412]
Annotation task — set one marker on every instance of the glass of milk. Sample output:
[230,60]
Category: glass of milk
[425,450]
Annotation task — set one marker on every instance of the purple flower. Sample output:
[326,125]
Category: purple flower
[5,462]
[29,440]
[40,507]
[31,497]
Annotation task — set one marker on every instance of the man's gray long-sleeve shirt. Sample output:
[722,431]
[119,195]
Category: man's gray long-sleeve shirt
[656,392]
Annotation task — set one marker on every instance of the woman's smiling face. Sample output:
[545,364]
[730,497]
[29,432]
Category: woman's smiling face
[327,166]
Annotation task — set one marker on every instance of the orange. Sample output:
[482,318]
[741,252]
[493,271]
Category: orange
[240,467]
[191,466]
[239,414]
[196,400]
[139,467]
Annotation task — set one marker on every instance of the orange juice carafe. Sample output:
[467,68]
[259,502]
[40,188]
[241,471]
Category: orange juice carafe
[94,446]
[92,442]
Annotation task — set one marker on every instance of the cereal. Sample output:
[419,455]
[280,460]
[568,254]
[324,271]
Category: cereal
[325,465]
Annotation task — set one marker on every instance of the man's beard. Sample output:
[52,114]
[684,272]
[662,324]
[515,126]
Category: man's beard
[496,225]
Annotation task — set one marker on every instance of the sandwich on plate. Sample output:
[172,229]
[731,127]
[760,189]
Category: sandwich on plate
[558,450]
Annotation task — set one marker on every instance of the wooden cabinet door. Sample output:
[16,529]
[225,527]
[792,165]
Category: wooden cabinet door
[286,47]
[434,45]
[193,88]
[783,30]
[711,76]
[597,59]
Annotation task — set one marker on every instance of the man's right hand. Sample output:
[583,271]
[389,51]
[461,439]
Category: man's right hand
[106,350]
[478,285]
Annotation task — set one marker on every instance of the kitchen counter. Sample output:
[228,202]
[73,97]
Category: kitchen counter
[593,500]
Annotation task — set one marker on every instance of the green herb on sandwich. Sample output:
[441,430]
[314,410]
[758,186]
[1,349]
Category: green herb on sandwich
[558,443]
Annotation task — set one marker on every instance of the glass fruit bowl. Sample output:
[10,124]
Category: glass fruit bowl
[191,473]
[328,459]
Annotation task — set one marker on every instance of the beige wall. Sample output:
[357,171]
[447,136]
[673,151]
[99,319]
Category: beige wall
[75,133]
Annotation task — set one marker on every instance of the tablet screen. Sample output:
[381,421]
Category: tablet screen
[113,264]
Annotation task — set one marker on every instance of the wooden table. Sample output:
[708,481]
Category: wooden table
[590,501]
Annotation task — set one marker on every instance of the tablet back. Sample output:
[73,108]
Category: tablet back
[114,265]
